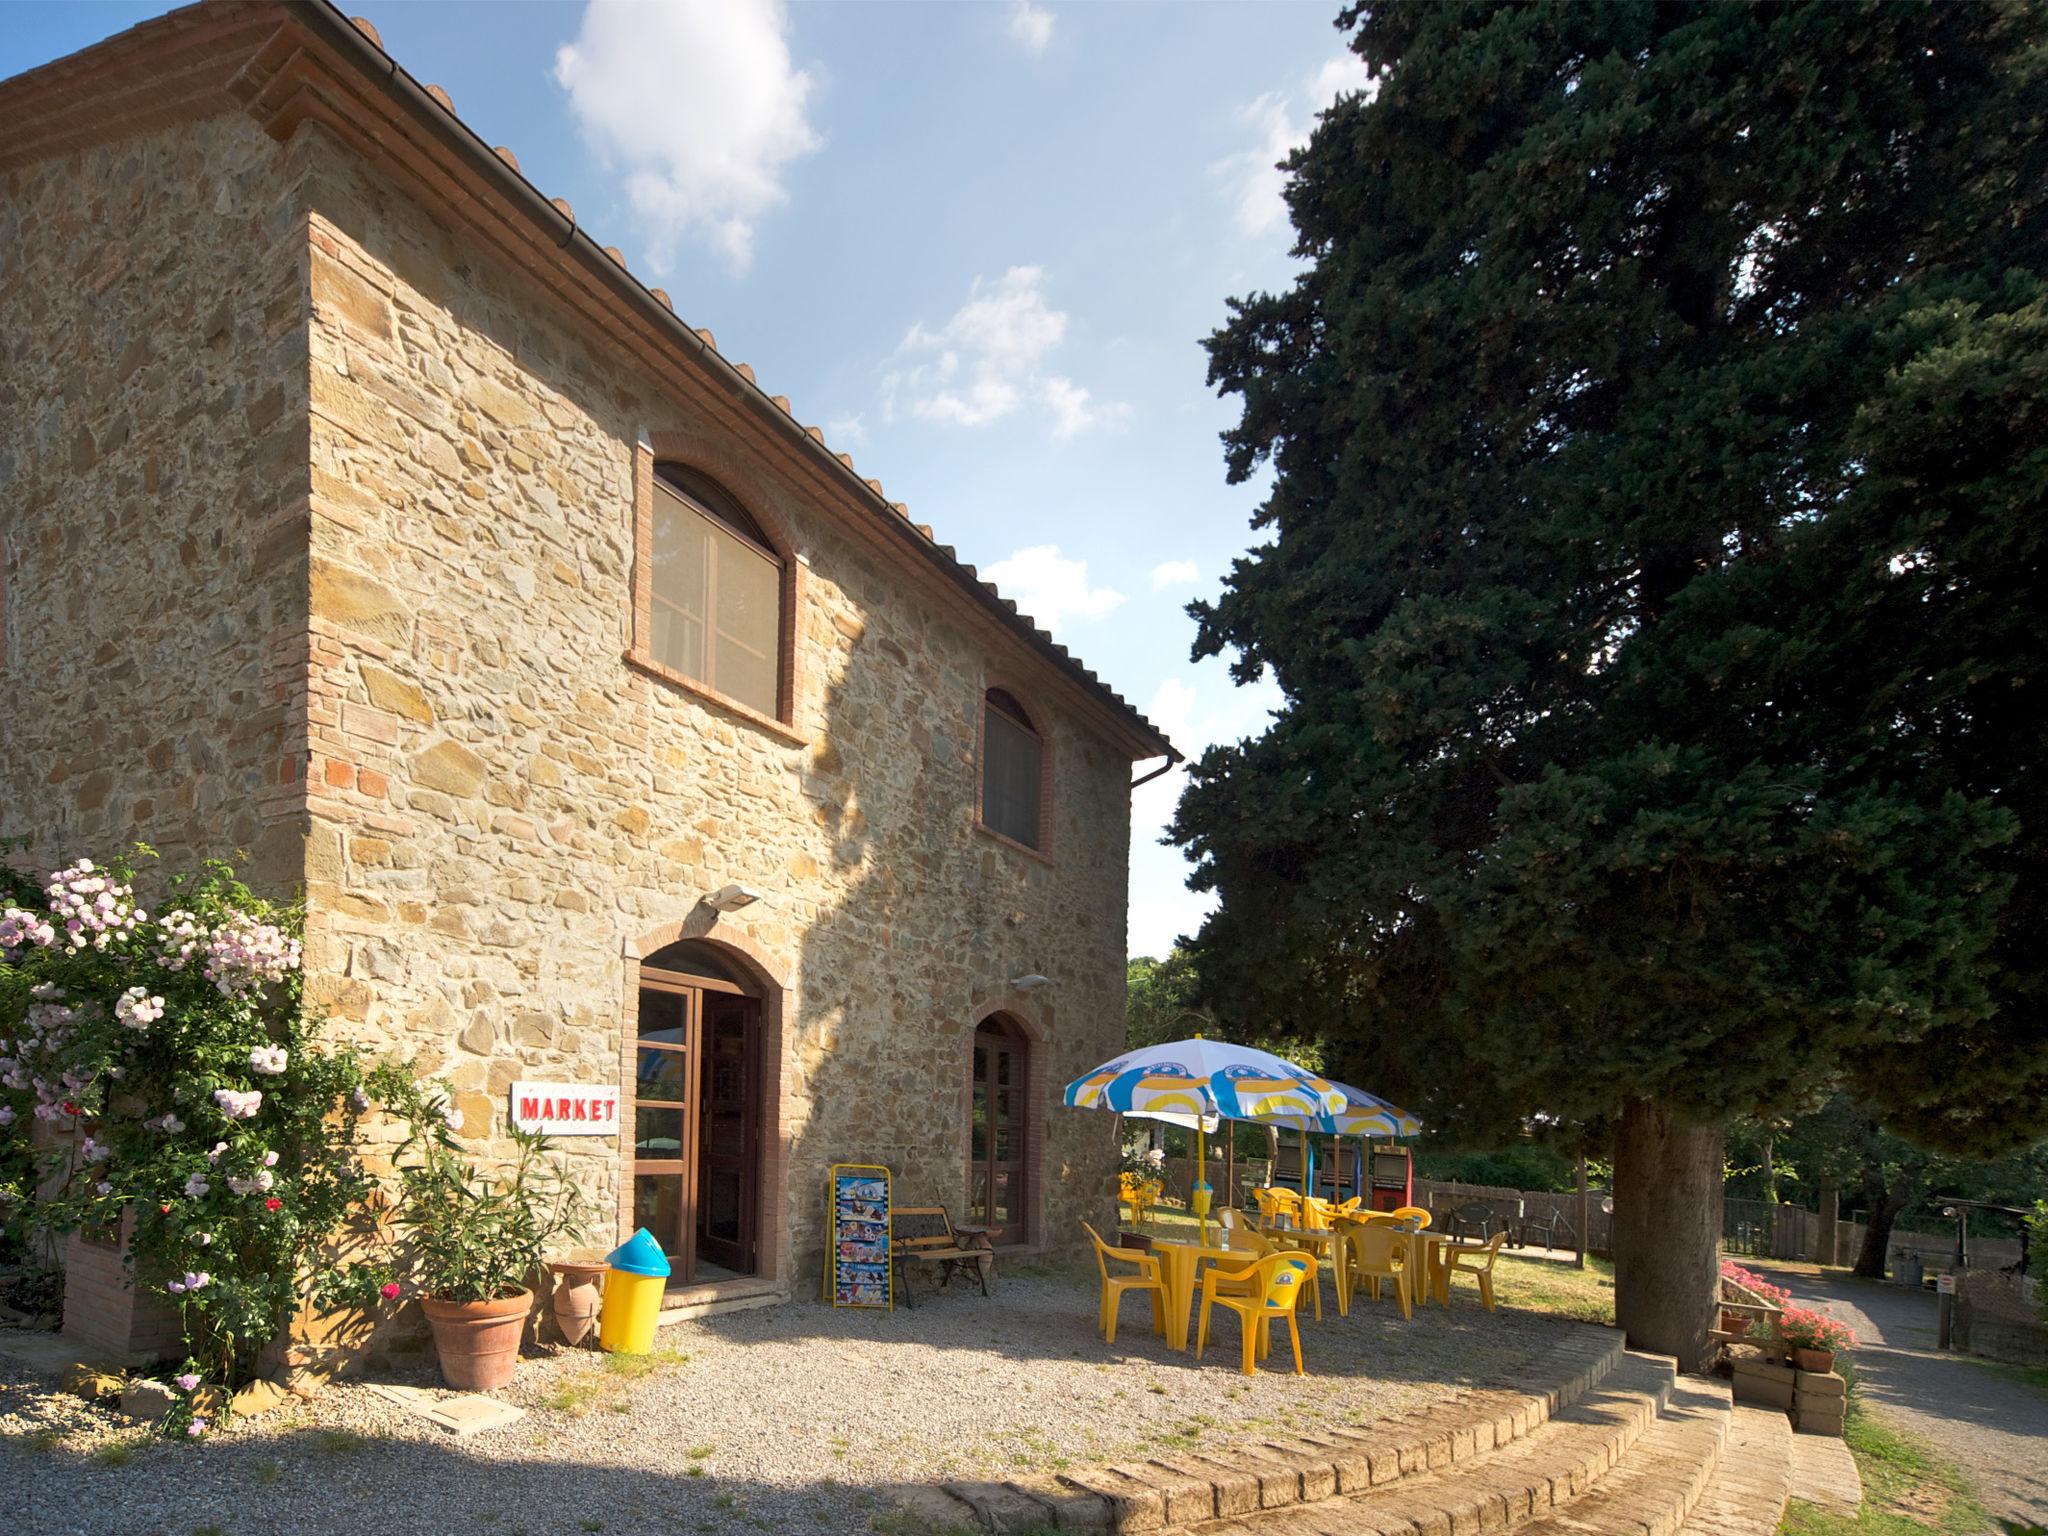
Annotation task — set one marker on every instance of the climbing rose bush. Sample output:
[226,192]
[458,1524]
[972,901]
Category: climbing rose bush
[158,1066]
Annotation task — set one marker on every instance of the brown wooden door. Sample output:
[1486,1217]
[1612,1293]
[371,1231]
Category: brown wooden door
[998,1169]
[728,1120]
[664,1119]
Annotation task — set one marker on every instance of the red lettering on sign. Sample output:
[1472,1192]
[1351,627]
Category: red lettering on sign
[529,1108]
[582,1109]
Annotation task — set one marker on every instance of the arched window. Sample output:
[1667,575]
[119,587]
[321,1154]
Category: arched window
[715,602]
[998,1158]
[1012,769]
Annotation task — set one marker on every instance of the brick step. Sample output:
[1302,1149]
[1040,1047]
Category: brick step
[1660,1484]
[1177,1491]
[1748,1492]
[1520,1484]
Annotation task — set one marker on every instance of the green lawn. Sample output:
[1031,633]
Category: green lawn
[1908,1490]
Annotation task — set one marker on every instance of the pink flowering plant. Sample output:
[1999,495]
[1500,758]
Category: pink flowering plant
[1804,1328]
[158,1070]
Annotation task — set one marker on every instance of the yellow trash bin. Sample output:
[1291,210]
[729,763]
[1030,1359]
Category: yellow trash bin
[632,1295]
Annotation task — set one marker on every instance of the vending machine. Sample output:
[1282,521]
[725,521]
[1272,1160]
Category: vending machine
[1393,1178]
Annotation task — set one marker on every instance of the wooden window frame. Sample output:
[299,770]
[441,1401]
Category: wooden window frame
[773,540]
[1036,717]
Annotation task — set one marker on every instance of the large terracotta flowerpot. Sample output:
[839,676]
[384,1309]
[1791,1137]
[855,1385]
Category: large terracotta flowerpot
[579,1292]
[478,1341]
[1821,1360]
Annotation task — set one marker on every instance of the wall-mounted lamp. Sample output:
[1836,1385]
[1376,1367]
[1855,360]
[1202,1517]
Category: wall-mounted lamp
[730,898]
[1030,983]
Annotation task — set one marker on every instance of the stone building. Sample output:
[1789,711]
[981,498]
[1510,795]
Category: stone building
[358,510]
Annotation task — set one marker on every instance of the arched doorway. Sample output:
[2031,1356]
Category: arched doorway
[998,1158]
[697,1111]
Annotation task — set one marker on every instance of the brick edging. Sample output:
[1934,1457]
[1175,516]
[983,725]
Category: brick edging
[1172,1491]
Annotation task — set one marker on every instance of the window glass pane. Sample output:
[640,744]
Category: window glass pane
[716,604]
[658,1206]
[749,603]
[1010,759]
[663,1017]
[680,585]
[662,1076]
[658,1133]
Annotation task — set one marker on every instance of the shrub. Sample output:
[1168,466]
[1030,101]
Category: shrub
[179,1083]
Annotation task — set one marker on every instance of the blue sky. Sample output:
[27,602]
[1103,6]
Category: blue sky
[978,243]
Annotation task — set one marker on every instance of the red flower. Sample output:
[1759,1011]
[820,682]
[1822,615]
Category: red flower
[70,1108]
[273,1204]
[389,1290]
[165,1209]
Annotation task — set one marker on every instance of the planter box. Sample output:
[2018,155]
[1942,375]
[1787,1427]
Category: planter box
[104,1315]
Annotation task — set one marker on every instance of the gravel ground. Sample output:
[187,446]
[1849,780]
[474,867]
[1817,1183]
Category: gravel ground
[791,1418]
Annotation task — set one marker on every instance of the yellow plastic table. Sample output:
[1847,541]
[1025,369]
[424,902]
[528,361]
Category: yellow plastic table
[1430,1267]
[1179,1263]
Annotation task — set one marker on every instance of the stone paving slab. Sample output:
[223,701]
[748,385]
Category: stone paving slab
[1823,1471]
[462,1414]
[1748,1492]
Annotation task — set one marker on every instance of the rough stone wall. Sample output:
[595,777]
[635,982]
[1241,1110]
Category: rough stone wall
[152,500]
[504,811]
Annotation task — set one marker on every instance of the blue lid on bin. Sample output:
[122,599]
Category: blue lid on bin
[639,1254]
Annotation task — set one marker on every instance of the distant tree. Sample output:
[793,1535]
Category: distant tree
[1659,437]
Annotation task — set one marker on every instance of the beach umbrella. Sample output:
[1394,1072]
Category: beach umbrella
[1199,1077]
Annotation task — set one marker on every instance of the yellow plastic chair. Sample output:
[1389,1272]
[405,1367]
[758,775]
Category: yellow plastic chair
[1275,1285]
[1315,1214]
[1348,1208]
[1246,1241]
[1147,1280]
[1464,1260]
[1414,1213]
[1374,1251]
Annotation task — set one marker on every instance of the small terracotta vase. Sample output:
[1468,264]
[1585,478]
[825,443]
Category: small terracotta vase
[1818,1360]
[579,1292]
[478,1341]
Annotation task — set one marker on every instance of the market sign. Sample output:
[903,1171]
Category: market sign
[565,1109]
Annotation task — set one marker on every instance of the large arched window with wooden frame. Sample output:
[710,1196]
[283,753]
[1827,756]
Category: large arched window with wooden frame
[715,592]
[1013,771]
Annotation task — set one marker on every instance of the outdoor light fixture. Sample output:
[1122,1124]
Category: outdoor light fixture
[1030,983]
[730,898]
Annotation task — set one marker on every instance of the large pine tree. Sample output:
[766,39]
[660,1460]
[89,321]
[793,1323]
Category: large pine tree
[1659,435]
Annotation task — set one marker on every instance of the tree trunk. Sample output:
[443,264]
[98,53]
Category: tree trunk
[1884,1207]
[1667,1233]
[1582,1213]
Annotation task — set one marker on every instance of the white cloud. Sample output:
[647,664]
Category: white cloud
[986,363]
[850,430]
[1051,588]
[699,105]
[1253,177]
[1031,26]
[1174,573]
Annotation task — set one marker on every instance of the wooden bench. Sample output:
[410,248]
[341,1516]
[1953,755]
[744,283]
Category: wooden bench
[925,1234]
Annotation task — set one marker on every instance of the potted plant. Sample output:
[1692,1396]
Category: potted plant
[1812,1338]
[474,1239]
